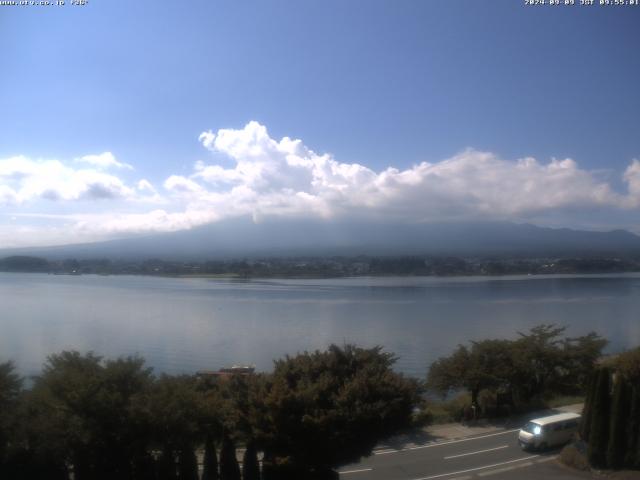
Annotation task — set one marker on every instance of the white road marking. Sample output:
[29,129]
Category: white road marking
[546,459]
[505,469]
[355,471]
[384,452]
[476,468]
[437,444]
[496,471]
[474,453]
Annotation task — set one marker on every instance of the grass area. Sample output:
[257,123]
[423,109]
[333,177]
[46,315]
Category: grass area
[448,411]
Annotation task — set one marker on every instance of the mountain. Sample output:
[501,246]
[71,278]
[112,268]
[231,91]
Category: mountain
[243,238]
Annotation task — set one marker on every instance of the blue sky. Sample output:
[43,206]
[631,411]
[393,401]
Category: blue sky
[412,110]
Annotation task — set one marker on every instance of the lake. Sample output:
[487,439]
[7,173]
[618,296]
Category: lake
[187,324]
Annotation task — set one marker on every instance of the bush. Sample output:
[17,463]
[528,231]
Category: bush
[451,410]
[574,455]
[421,418]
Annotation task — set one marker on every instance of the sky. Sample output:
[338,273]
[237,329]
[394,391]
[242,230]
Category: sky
[121,118]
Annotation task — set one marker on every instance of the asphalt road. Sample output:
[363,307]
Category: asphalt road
[494,454]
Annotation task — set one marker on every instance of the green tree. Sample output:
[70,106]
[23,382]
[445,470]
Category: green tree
[167,467]
[580,357]
[229,468]
[632,454]
[628,364]
[41,451]
[172,412]
[537,364]
[450,373]
[10,391]
[87,403]
[250,465]
[187,464]
[63,397]
[619,419]
[539,359]
[144,467]
[587,411]
[327,409]
[210,461]
[599,431]
[488,364]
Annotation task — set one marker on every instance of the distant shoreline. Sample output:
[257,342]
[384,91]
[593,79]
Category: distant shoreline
[327,267]
[519,276]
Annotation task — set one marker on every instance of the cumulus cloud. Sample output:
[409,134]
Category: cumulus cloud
[632,178]
[104,160]
[144,185]
[23,180]
[284,177]
[180,185]
[266,177]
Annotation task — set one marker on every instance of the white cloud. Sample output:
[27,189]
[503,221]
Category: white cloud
[24,180]
[632,178]
[181,185]
[7,195]
[104,160]
[269,177]
[145,186]
[207,138]
[114,225]
[284,177]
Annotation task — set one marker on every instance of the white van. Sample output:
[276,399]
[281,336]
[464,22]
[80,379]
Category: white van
[549,431]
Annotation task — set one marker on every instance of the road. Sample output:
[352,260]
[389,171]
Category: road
[494,455]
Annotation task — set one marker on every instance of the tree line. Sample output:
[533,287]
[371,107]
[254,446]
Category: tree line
[97,418]
[518,374]
[323,266]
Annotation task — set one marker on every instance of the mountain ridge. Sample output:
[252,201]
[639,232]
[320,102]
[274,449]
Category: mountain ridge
[279,238]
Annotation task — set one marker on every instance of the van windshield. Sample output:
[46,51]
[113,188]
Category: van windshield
[532,428]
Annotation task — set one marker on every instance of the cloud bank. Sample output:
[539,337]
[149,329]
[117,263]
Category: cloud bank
[270,177]
[24,180]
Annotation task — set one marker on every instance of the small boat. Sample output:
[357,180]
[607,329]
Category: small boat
[227,371]
[243,369]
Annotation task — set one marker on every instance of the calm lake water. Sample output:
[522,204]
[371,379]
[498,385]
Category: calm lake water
[182,325]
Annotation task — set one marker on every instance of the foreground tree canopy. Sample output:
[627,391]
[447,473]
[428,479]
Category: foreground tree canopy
[331,408]
[539,363]
[105,419]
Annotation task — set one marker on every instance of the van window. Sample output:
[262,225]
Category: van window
[531,427]
[558,427]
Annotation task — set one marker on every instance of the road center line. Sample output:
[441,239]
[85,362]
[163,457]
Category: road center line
[356,471]
[449,442]
[476,468]
[474,453]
